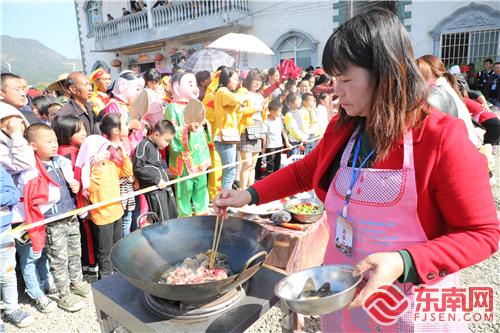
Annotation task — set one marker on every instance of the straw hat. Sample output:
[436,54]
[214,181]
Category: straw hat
[56,85]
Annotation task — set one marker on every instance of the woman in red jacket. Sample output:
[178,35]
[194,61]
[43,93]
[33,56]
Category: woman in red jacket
[405,191]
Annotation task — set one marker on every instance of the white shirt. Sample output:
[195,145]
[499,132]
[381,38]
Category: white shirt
[257,102]
[273,133]
[322,117]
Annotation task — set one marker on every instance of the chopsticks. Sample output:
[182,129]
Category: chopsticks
[215,242]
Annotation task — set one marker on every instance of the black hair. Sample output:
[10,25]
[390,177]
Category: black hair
[290,83]
[253,74]
[65,127]
[32,131]
[7,76]
[109,122]
[152,75]
[323,78]
[321,96]
[225,74]
[488,60]
[43,103]
[290,98]
[377,41]
[274,104]
[306,95]
[177,77]
[163,126]
[496,63]
[202,76]
[271,71]
[220,68]
[308,76]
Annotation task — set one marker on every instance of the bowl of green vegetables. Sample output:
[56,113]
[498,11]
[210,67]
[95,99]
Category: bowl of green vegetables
[306,210]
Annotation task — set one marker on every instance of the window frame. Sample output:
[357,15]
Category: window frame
[91,6]
[280,46]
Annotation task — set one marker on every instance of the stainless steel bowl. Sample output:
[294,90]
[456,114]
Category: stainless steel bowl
[343,288]
[305,218]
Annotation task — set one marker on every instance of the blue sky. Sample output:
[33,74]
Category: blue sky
[52,22]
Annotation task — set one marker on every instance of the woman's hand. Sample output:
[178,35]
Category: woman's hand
[385,268]
[230,198]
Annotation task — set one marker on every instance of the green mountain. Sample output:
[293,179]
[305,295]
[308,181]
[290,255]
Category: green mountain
[34,61]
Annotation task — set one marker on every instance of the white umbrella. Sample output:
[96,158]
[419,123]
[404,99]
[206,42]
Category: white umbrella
[208,60]
[241,43]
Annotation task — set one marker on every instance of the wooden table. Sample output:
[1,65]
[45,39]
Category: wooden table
[295,250]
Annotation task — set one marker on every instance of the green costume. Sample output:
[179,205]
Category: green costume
[188,155]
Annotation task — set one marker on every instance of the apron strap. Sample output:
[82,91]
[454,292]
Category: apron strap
[348,149]
[408,160]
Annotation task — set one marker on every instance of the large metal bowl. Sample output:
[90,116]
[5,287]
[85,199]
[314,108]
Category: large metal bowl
[305,218]
[343,288]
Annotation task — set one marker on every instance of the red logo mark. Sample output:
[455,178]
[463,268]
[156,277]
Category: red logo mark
[386,305]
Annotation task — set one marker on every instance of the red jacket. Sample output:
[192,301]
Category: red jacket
[455,202]
[476,110]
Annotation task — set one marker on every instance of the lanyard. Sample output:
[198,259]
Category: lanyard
[355,173]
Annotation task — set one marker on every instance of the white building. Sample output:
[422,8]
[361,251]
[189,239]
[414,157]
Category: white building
[457,31]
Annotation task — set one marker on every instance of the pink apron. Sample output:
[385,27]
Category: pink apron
[383,210]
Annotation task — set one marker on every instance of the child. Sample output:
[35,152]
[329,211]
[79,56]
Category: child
[70,132]
[47,193]
[322,111]
[15,153]
[46,107]
[114,128]
[295,123]
[16,156]
[274,141]
[9,196]
[149,170]
[309,113]
[101,166]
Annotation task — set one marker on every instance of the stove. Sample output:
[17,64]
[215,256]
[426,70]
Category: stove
[116,300]
[191,311]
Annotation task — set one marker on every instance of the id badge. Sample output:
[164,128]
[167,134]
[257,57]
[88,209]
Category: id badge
[344,236]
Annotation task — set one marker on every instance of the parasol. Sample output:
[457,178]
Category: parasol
[208,60]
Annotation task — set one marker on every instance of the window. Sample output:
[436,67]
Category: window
[94,15]
[469,34]
[471,46]
[100,64]
[298,48]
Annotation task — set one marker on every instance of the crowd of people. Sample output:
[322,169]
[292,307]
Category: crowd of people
[91,139]
[102,139]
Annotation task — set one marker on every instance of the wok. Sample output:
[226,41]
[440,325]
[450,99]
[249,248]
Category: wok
[143,255]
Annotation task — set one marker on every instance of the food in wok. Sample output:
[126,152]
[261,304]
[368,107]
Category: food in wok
[196,270]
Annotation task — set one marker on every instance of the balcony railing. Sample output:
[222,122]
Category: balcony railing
[122,26]
[164,16]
